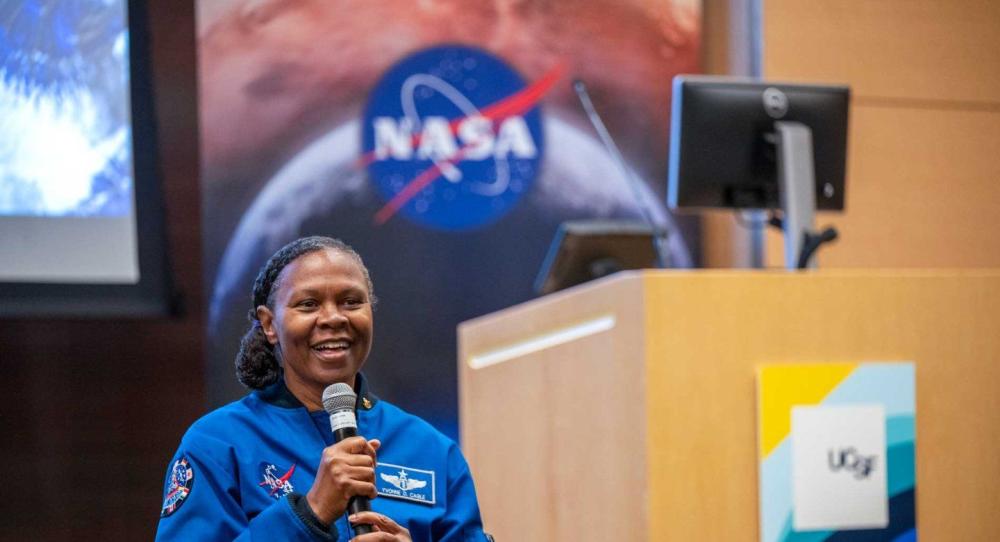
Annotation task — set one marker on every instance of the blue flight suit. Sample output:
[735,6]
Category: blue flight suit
[242,472]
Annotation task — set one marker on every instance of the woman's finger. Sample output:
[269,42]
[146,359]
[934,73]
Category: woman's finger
[363,489]
[378,536]
[359,460]
[360,474]
[381,521]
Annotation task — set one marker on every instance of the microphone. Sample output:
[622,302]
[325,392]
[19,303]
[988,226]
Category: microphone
[338,401]
[662,237]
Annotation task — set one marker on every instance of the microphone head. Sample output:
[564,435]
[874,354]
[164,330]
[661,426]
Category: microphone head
[338,397]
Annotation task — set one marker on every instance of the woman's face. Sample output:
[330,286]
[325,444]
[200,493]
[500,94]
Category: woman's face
[321,321]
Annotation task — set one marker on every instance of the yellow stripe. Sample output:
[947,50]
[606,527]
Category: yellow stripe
[780,387]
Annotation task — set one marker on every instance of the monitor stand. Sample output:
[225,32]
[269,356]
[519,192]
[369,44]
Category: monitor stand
[797,191]
[796,187]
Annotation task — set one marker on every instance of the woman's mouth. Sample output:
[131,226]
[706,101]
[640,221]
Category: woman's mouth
[332,349]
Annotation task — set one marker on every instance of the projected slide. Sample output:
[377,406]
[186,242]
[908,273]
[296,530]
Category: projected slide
[66,169]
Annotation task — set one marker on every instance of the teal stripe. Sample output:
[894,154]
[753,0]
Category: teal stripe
[787,535]
[899,430]
[902,468]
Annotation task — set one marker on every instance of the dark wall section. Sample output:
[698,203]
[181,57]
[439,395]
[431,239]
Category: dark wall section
[91,411]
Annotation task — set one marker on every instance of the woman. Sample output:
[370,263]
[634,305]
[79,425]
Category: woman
[266,468]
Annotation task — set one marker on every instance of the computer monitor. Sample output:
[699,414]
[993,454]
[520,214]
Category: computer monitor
[583,250]
[751,144]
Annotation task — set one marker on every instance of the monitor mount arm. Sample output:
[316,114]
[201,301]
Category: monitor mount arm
[797,190]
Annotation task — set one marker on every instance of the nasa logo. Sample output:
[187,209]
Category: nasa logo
[452,137]
[276,484]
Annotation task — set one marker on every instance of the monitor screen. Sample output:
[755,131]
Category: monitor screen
[584,250]
[76,165]
[722,142]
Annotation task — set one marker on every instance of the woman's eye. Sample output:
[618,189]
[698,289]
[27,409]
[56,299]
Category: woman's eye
[307,303]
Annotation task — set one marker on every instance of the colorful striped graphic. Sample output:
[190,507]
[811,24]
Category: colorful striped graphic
[780,387]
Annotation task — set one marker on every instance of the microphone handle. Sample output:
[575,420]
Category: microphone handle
[344,432]
[357,503]
[360,504]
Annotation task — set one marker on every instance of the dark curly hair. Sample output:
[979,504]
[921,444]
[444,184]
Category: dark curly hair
[257,363]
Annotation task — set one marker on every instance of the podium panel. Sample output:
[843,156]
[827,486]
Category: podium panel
[624,409]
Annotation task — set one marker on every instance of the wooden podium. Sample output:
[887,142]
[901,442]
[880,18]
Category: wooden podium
[624,409]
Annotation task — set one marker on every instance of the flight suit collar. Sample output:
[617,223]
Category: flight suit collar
[278,394]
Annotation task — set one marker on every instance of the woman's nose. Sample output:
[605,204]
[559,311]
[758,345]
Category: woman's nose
[332,316]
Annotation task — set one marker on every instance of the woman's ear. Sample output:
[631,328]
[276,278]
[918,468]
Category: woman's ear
[266,319]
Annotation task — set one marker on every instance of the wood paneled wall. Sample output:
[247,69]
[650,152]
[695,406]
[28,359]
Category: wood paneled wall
[91,411]
[923,174]
[923,187]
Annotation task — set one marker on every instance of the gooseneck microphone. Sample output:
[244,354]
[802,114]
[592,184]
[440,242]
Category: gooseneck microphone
[338,401]
[663,237]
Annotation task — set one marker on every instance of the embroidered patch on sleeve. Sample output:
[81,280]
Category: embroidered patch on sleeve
[178,487]
[405,483]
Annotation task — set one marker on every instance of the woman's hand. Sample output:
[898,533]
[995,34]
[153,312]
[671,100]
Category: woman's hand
[346,470]
[386,530]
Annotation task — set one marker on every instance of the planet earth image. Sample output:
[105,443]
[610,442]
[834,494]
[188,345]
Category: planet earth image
[65,135]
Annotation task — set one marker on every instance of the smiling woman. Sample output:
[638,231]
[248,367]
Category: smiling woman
[312,326]
[299,286]
[320,319]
